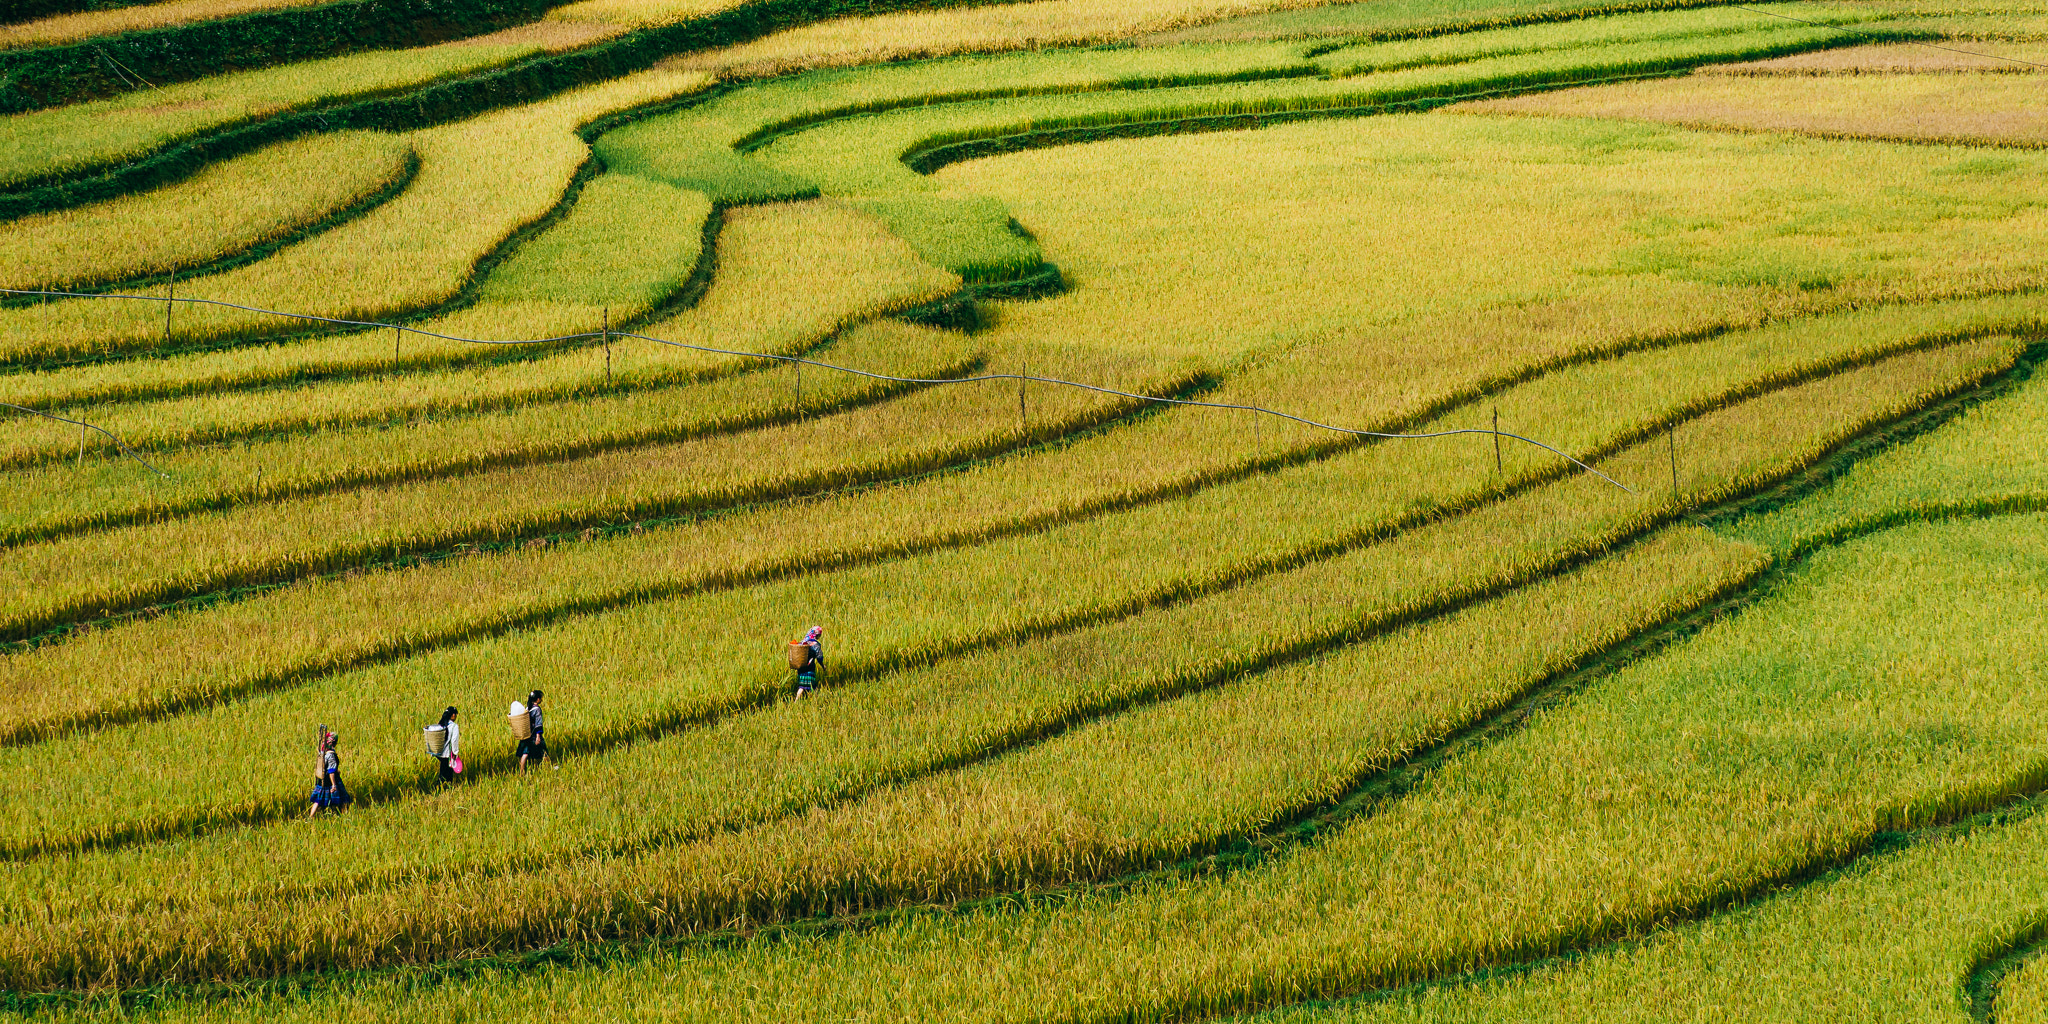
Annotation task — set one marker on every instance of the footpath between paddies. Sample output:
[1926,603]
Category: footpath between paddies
[923,719]
[1071,807]
[282,638]
[1557,836]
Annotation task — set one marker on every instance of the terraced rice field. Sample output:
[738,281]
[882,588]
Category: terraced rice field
[1472,510]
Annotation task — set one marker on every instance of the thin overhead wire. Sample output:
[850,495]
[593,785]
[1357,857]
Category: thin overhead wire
[800,361]
[125,450]
[1915,42]
[120,68]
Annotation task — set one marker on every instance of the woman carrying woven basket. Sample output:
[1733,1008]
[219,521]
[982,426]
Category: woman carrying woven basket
[451,750]
[533,746]
[809,660]
[327,788]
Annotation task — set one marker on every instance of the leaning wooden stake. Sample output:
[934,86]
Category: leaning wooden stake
[607,344]
[170,296]
[1023,415]
[1496,442]
[1672,437]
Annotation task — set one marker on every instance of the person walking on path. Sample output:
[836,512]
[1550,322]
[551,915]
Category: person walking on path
[451,752]
[807,673]
[327,788]
[533,747]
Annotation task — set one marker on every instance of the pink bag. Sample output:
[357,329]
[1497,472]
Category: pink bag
[455,765]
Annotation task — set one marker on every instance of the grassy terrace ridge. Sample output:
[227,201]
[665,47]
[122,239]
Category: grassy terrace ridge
[291,540]
[1962,359]
[1971,424]
[1335,612]
[524,81]
[242,209]
[1133,710]
[1818,349]
[969,237]
[1082,907]
[1332,765]
[527,80]
[789,279]
[85,64]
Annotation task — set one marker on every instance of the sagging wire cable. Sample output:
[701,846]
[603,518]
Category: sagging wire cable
[1915,42]
[83,425]
[1025,377]
[120,68]
[801,361]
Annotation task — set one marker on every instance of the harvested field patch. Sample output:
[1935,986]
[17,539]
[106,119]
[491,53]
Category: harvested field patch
[1981,110]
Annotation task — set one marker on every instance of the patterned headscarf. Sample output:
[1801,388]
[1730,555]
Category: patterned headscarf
[815,634]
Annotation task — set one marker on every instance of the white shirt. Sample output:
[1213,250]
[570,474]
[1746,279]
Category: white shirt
[454,747]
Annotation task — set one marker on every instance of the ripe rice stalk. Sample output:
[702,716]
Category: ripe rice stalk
[1888,939]
[929,430]
[1893,936]
[1962,110]
[479,181]
[995,28]
[1047,24]
[1897,59]
[1708,243]
[1404,370]
[222,211]
[1422,570]
[2022,994]
[1983,461]
[1076,806]
[452,444]
[82,137]
[872,158]
[1675,783]
[1551,37]
[745,117]
[874,155]
[598,256]
[64,28]
[1338,24]
[560,29]
[1574,816]
[275,637]
[789,278]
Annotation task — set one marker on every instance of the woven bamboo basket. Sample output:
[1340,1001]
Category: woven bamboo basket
[799,654]
[437,740]
[520,721]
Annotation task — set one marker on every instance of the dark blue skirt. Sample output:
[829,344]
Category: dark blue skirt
[331,796]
